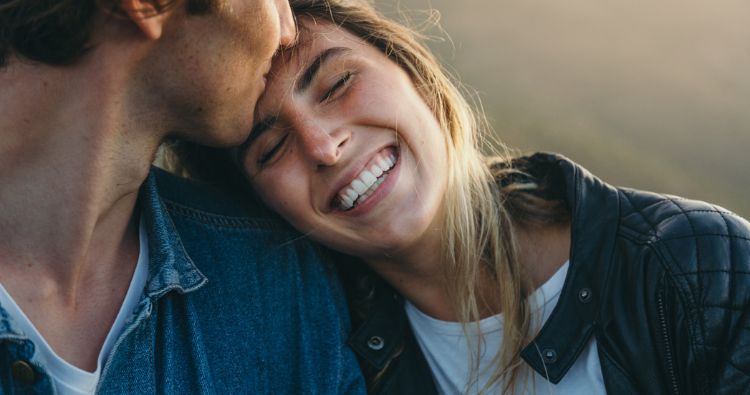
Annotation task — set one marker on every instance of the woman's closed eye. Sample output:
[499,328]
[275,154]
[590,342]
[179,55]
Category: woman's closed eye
[341,83]
[275,148]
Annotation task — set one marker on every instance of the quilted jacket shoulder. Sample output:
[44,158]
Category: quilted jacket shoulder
[705,253]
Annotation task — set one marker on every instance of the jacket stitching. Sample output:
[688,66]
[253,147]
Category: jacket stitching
[713,271]
[727,307]
[673,200]
[625,376]
[639,211]
[696,342]
[732,279]
[665,334]
[646,207]
[701,211]
[694,235]
[697,309]
[215,219]
[737,368]
[690,307]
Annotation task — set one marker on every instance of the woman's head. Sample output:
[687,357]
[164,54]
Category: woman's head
[357,93]
[360,94]
[377,101]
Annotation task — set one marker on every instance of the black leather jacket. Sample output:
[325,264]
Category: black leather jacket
[662,283]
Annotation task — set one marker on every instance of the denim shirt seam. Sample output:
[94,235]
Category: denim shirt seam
[224,221]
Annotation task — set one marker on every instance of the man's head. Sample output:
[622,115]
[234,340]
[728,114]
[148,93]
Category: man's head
[198,66]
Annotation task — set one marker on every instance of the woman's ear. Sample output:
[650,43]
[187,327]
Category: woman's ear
[147,15]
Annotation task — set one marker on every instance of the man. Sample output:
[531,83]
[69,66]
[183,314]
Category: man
[119,278]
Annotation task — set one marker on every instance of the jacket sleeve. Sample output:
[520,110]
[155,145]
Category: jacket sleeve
[707,302]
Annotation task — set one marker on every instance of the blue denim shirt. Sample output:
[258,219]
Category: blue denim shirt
[234,303]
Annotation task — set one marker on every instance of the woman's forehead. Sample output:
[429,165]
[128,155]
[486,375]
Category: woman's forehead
[314,36]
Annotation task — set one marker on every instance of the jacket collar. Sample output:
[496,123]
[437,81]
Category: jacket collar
[379,336]
[170,266]
[594,207]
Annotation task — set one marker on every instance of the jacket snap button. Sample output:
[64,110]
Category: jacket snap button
[584,295]
[549,355]
[375,343]
[23,372]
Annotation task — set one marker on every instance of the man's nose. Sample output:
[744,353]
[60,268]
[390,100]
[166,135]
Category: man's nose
[287,24]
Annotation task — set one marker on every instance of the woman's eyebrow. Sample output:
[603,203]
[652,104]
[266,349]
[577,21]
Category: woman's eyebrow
[314,66]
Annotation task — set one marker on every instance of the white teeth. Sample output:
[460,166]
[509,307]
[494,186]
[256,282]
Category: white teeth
[359,186]
[346,202]
[367,178]
[366,183]
[352,194]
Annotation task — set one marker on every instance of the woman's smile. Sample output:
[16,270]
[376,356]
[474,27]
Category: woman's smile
[367,183]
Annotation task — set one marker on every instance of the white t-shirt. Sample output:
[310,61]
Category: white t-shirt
[448,355]
[69,379]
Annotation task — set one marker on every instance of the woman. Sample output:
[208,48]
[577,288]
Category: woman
[476,269]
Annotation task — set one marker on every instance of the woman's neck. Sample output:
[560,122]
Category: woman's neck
[418,273]
[542,250]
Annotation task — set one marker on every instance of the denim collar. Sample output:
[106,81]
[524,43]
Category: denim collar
[170,267]
[8,329]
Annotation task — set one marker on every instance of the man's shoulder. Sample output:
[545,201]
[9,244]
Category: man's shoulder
[188,194]
[221,230]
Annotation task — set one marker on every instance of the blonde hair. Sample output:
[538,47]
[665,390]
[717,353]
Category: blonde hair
[478,239]
[486,197]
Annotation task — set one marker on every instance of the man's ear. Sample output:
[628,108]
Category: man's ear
[147,15]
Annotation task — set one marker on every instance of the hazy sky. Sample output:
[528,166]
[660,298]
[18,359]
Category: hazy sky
[649,94]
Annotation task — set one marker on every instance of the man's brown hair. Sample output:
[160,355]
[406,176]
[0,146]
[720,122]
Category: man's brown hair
[57,32]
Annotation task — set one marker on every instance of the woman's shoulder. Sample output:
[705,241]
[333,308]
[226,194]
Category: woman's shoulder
[653,216]
[703,252]
[666,218]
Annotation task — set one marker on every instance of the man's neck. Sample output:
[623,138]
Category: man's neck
[70,170]
[73,156]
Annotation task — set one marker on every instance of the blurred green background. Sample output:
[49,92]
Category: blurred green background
[646,94]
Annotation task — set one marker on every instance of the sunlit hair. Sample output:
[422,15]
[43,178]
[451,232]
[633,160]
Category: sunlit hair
[478,239]
[487,197]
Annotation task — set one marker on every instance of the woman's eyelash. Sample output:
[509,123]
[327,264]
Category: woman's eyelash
[338,85]
[266,156]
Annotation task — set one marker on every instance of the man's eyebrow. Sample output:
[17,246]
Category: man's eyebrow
[307,77]
[255,132]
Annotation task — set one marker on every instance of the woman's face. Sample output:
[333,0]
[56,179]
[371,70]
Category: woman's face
[345,149]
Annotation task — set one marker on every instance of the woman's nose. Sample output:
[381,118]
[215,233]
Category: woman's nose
[324,147]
